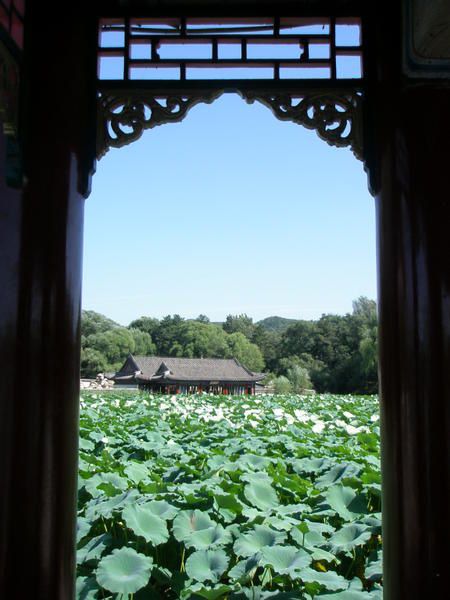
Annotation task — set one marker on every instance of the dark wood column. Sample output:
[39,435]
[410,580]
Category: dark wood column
[413,218]
[40,310]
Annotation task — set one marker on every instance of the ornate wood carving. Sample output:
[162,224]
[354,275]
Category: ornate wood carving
[123,119]
[335,116]
[306,70]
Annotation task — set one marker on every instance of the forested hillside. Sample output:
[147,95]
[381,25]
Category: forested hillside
[276,324]
[336,353]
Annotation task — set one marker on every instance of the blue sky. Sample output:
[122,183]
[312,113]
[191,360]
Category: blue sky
[229,211]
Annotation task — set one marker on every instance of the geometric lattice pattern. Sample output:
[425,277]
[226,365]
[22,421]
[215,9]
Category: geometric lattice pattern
[154,70]
[185,49]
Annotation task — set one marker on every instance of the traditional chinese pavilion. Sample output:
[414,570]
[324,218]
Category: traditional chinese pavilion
[167,375]
[80,77]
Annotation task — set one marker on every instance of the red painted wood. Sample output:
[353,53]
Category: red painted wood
[413,215]
[40,317]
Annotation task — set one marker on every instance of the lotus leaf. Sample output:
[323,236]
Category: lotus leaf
[346,502]
[261,494]
[189,521]
[144,523]
[125,571]
[252,542]
[207,565]
[286,560]
[349,537]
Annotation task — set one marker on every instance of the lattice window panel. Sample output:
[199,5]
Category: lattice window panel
[180,49]
[153,70]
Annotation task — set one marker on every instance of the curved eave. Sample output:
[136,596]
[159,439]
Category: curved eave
[213,381]
[122,377]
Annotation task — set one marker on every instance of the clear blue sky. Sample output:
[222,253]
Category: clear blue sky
[229,211]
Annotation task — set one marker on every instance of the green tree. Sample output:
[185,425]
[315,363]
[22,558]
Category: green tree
[93,322]
[299,379]
[239,324]
[92,362]
[246,353]
[365,312]
[114,344]
[282,385]
[268,342]
[365,308]
[298,339]
[167,335]
[204,340]
[143,344]
[202,319]
[146,324]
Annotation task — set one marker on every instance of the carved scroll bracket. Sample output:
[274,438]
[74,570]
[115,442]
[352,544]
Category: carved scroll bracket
[124,118]
[335,116]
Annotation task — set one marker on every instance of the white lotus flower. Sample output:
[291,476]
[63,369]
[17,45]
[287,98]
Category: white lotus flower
[301,415]
[318,427]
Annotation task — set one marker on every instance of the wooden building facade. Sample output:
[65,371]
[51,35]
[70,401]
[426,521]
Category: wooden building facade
[168,375]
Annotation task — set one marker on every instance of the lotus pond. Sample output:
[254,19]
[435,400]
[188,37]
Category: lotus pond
[229,498]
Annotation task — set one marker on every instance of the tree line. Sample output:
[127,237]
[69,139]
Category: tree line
[336,353]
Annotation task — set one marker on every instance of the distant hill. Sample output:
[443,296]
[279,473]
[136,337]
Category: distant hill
[276,324]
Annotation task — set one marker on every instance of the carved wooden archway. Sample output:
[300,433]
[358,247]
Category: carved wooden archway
[159,64]
[405,97]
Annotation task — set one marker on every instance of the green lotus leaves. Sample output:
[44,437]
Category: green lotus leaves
[347,595]
[229,502]
[83,528]
[330,580]
[245,569]
[136,471]
[161,509]
[86,588]
[374,568]
[261,494]
[144,523]
[85,445]
[207,565]
[210,593]
[255,462]
[286,560]
[252,542]
[349,537]
[336,474]
[309,539]
[109,483]
[176,504]
[94,548]
[207,538]
[125,571]
[105,507]
[346,502]
[188,522]
[311,465]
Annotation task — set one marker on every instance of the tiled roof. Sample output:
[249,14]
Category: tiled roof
[194,369]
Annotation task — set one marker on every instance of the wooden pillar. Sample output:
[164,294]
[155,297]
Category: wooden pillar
[413,220]
[40,316]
